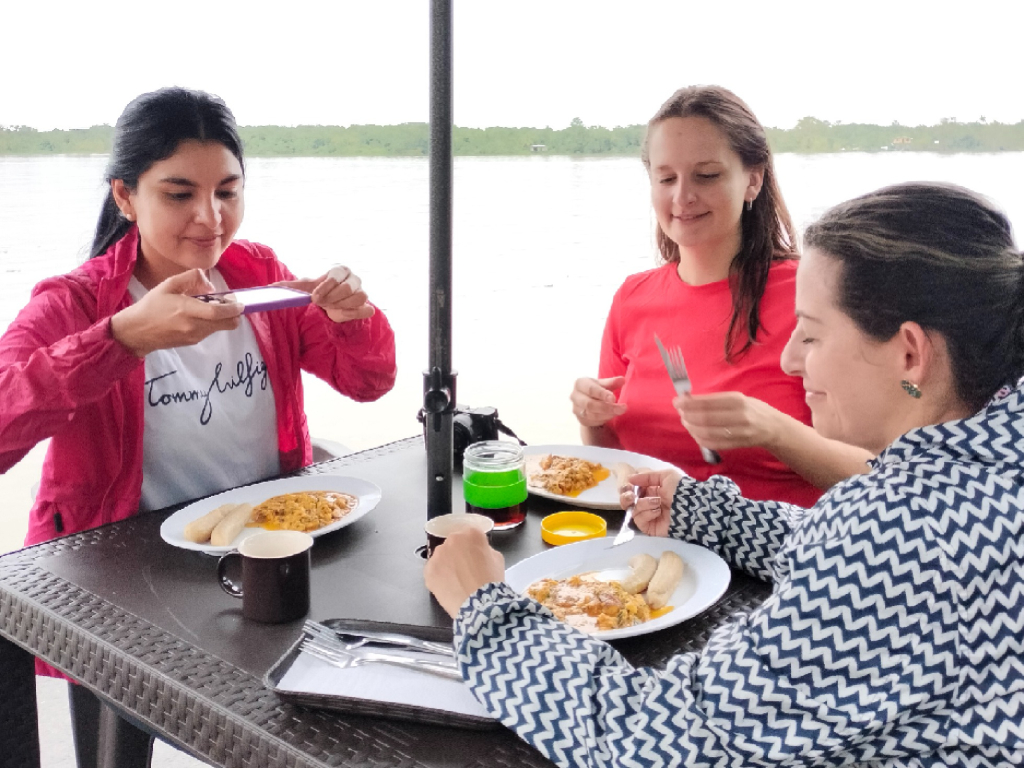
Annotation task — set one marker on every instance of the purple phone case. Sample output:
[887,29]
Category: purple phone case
[299,299]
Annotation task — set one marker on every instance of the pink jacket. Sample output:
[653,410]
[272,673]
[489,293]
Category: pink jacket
[63,376]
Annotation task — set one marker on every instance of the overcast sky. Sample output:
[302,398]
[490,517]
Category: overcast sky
[526,63]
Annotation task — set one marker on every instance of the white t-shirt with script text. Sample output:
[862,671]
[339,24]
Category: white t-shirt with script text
[210,422]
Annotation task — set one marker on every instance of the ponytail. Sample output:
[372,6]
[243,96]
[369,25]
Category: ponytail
[111,226]
[1015,353]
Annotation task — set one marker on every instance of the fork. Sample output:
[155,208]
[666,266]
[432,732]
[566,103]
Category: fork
[625,532]
[343,659]
[365,637]
[328,638]
[673,360]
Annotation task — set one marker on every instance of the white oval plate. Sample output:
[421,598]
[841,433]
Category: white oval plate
[173,529]
[705,578]
[605,495]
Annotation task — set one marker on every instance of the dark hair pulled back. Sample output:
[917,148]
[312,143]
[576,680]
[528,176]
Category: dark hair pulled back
[766,230]
[943,257]
[149,130]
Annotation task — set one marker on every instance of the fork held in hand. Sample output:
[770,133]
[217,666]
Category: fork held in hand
[673,360]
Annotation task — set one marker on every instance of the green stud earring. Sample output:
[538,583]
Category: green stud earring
[911,389]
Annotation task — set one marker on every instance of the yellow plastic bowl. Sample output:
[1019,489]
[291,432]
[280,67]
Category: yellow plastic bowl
[567,527]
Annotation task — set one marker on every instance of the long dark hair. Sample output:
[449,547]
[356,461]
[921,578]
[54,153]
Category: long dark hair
[767,233]
[940,256]
[149,130]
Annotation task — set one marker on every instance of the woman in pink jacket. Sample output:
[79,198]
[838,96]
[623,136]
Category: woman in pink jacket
[151,397]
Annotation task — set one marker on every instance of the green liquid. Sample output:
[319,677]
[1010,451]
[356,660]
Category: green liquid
[494,490]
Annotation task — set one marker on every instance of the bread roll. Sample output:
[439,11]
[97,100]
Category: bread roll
[665,580]
[199,530]
[227,530]
[643,566]
[623,471]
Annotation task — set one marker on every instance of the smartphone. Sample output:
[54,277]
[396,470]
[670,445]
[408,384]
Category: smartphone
[260,299]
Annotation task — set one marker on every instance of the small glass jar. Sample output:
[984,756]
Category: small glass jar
[494,482]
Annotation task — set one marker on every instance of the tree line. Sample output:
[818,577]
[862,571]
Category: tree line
[808,136]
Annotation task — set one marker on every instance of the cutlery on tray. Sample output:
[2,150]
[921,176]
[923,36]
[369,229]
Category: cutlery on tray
[348,659]
[328,647]
[364,637]
[673,360]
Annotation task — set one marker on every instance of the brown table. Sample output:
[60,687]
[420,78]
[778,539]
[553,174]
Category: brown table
[146,627]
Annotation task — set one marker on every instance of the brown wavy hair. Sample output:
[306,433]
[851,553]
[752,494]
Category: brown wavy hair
[767,233]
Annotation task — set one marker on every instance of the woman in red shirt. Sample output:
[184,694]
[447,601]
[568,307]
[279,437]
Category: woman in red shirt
[725,297]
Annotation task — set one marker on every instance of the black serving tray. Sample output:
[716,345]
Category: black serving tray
[360,706]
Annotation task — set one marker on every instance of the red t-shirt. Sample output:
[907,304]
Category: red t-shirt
[696,318]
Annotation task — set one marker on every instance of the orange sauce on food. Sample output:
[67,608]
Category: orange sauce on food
[661,612]
[599,475]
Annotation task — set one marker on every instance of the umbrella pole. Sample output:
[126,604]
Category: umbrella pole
[439,378]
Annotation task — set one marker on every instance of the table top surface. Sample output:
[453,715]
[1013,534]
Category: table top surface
[147,626]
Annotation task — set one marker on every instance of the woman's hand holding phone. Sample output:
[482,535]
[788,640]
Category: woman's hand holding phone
[339,292]
[169,316]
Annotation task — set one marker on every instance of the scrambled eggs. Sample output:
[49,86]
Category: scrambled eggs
[567,475]
[303,511]
[589,604]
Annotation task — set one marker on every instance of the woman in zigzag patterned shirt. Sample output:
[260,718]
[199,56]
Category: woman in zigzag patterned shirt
[894,634]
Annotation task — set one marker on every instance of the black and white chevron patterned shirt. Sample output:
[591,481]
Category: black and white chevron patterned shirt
[894,635]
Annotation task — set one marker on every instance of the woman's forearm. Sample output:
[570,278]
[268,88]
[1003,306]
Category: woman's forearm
[820,461]
[43,384]
[603,436]
[357,358]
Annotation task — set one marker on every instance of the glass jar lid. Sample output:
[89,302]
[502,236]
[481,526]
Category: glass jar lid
[492,455]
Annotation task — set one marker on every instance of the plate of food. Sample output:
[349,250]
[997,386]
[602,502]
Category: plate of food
[317,504]
[584,475]
[644,585]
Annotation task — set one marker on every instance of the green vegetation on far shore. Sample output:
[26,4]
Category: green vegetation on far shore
[808,136]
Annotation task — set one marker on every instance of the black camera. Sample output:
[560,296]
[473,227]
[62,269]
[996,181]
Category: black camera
[472,425]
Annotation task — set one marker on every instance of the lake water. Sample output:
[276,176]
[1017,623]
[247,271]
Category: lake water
[540,245]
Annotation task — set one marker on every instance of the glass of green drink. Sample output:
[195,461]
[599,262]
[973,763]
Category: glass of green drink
[494,482]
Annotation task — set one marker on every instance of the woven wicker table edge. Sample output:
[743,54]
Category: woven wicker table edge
[211,708]
[214,710]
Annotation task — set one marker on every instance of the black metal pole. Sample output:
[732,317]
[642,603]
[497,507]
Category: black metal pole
[439,378]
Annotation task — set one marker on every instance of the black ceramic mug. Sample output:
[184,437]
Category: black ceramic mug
[440,528]
[275,575]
